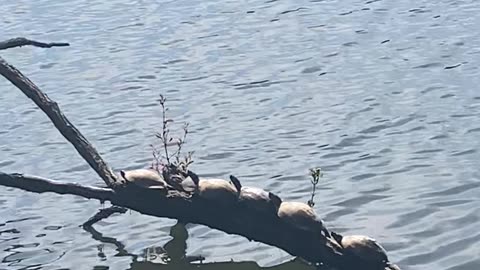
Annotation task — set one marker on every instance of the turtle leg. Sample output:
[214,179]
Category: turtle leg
[337,237]
[326,233]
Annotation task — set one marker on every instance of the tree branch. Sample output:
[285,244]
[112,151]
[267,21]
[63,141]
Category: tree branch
[40,185]
[20,41]
[64,126]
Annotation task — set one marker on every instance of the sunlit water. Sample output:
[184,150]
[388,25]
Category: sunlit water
[383,95]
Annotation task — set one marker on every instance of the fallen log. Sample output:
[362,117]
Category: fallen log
[170,202]
[181,206]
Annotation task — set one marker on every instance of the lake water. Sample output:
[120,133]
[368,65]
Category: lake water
[383,95]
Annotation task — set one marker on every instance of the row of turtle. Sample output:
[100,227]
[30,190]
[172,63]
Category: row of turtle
[297,214]
[226,192]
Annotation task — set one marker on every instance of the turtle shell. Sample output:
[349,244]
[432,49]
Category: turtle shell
[256,198]
[365,248]
[300,215]
[144,178]
[217,189]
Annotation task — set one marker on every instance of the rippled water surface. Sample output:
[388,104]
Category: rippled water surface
[383,95]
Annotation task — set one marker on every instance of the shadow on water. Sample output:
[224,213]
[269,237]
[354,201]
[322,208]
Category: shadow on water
[172,255]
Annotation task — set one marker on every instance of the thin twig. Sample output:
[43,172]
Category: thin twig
[157,162]
[315,173]
[21,41]
[180,143]
[165,130]
[174,162]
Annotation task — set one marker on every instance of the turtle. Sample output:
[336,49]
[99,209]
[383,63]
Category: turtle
[179,178]
[256,198]
[215,189]
[144,178]
[302,216]
[176,176]
[364,251]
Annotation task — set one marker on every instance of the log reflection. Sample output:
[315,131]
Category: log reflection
[172,256]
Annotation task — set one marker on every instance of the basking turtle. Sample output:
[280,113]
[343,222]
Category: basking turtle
[256,198]
[302,216]
[182,179]
[144,178]
[215,189]
[365,251]
[175,176]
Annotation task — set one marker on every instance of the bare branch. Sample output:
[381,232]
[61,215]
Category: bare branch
[157,159]
[165,131]
[180,143]
[40,185]
[64,126]
[20,41]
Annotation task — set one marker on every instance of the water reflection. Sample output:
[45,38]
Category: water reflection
[294,264]
[173,255]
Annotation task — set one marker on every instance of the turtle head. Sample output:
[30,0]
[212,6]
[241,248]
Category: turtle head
[194,177]
[275,199]
[236,183]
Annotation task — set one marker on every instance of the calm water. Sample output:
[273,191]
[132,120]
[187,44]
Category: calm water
[382,95]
